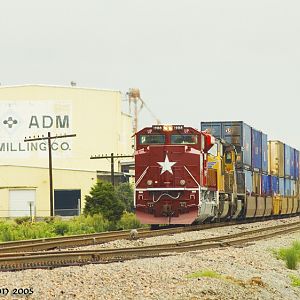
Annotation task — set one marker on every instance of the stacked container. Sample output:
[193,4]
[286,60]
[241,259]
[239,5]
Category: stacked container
[276,166]
[252,153]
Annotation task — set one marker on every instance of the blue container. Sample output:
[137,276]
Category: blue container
[287,161]
[237,133]
[287,187]
[265,185]
[264,153]
[281,186]
[296,164]
[274,185]
[256,149]
[292,162]
[248,182]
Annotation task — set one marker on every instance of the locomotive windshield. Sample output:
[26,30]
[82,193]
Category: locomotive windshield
[183,139]
[147,139]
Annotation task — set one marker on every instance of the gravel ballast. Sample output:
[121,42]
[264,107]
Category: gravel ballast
[250,272]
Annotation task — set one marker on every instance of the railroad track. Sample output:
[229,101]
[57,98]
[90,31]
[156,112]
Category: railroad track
[20,261]
[97,238]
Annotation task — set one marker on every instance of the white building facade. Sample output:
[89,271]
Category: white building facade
[95,117]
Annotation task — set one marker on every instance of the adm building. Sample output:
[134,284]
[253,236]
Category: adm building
[34,110]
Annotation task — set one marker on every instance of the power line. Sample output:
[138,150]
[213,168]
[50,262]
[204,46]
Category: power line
[112,163]
[49,138]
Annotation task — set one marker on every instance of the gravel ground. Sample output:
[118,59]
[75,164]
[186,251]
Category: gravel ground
[251,272]
[188,236]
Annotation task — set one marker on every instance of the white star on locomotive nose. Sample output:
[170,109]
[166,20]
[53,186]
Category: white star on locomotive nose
[166,165]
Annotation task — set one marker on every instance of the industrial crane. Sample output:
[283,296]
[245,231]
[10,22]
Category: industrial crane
[136,103]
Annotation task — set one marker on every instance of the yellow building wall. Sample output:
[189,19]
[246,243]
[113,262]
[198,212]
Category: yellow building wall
[93,115]
[13,177]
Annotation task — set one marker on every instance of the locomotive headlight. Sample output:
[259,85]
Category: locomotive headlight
[149,182]
[168,127]
[182,182]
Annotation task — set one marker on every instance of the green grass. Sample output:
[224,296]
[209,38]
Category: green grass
[295,280]
[23,228]
[204,273]
[291,255]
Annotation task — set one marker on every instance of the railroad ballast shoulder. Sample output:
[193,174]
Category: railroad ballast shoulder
[228,170]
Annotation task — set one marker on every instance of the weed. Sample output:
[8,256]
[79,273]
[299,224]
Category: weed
[295,280]
[290,255]
[205,273]
[21,229]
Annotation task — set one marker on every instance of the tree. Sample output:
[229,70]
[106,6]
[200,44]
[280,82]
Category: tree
[124,192]
[103,199]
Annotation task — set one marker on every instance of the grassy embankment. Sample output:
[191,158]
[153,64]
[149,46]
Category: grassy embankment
[23,228]
[291,256]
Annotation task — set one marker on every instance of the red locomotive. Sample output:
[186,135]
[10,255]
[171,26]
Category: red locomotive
[185,175]
[170,172]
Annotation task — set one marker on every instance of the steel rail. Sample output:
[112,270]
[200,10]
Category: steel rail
[19,261]
[100,238]
[104,237]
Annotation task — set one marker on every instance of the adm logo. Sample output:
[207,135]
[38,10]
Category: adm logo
[10,122]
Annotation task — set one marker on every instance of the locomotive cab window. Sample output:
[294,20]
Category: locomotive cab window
[177,139]
[214,150]
[147,139]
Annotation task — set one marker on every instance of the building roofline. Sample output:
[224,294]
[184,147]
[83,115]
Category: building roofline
[38,167]
[57,86]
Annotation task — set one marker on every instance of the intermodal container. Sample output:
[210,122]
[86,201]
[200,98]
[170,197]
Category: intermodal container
[281,186]
[266,185]
[274,185]
[292,162]
[256,176]
[287,161]
[256,149]
[244,182]
[248,182]
[276,158]
[214,128]
[237,133]
[293,188]
[296,164]
[287,187]
[264,153]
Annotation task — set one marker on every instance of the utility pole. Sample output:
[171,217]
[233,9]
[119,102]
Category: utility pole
[112,163]
[49,138]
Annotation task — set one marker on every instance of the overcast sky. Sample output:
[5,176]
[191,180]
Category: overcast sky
[193,60]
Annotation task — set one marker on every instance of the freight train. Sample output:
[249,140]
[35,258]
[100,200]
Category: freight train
[228,170]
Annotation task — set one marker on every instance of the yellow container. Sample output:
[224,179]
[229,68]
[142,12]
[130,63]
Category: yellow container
[276,158]
[276,205]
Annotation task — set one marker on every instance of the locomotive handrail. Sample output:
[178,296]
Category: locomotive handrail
[192,176]
[142,176]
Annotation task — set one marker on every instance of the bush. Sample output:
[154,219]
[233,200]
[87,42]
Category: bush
[124,192]
[11,231]
[60,228]
[21,220]
[103,200]
[129,221]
